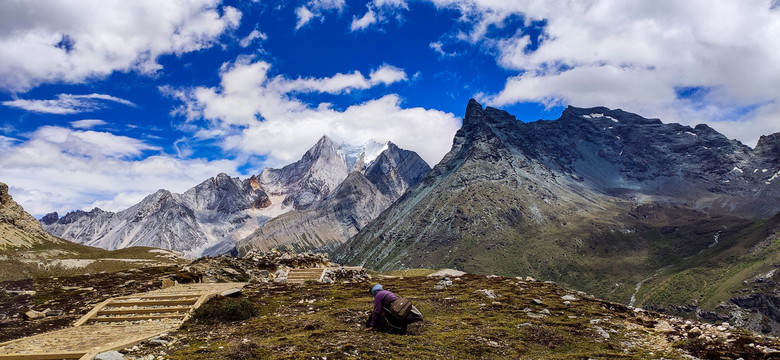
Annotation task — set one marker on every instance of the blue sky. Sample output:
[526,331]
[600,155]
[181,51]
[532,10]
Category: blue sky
[104,102]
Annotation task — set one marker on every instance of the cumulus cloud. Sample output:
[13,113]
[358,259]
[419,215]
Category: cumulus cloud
[257,114]
[60,41]
[254,35]
[643,57]
[364,21]
[315,9]
[378,12]
[67,103]
[60,169]
[304,16]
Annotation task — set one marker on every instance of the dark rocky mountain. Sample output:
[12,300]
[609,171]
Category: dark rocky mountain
[360,198]
[212,216]
[601,200]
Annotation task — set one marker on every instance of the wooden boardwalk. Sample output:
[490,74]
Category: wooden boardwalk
[117,323]
[300,276]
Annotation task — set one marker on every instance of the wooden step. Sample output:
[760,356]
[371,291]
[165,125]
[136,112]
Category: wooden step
[144,310]
[152,302]
[135,318]
[43,356]
[156,297]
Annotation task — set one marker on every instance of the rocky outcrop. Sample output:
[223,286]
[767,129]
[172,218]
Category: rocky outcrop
[17,227]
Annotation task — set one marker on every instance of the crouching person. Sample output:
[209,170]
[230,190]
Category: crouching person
[392,314]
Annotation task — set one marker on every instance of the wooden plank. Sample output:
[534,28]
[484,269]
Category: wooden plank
[92,313]
[44,356]
[153,296]
[153,302]
[135,318]
[144,310]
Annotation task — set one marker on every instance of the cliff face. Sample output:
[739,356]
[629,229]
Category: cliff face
[17,227]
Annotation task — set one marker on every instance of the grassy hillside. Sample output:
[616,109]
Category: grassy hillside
[65,258]
[528,320]
[741,263]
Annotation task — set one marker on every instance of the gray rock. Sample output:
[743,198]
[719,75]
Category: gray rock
[490,294]
[263,273]
[157,342]
[537,302]
[110,355]
[601,332]
[50,312]
[569,298]
[694,332]
[231,271]
[34,315]
[544,312]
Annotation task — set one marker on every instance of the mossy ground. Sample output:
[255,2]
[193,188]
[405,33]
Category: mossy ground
[326,321]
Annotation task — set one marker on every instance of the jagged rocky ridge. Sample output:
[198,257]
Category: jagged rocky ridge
[600,200]
[360,198]
[17,227]
[212,216]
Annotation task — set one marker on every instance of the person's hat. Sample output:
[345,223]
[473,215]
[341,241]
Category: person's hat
[375,288]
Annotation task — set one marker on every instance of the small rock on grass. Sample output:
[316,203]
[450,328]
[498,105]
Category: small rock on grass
[110,355]
[490,294]
[34,315]
[601,332]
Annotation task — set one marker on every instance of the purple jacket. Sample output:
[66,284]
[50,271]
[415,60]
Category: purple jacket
[382,300]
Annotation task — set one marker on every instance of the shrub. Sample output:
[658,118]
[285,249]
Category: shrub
[225,310]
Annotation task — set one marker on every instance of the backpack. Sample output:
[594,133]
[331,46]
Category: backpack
[400,308]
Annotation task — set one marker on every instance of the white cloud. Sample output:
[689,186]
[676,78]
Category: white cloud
[87,123]
[378,12]
[636,55]
[59,169]
[254,35]
[341,83]
[64,41]
[255,114]
[304,16]
[332,5]
[316,9]
[67,103]
[363,22]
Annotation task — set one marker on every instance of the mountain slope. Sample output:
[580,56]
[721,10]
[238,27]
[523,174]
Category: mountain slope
[190,222]
[211,217]
[18,229]
[360,198]
[596,198]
